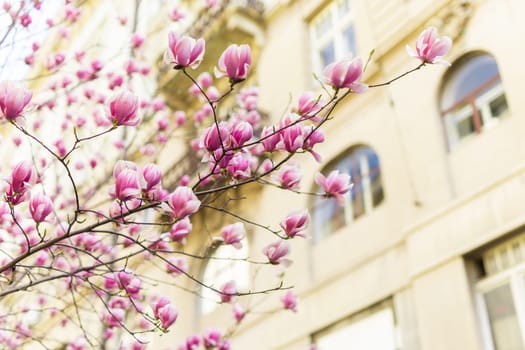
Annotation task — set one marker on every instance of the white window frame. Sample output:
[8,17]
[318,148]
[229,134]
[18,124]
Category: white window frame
[482,103]
[509,270]
[223,266]
[338,24]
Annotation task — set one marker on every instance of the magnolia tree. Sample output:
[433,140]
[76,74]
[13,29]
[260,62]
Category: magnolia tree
[83,198]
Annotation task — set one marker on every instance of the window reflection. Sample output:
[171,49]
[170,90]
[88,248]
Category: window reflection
[362,164]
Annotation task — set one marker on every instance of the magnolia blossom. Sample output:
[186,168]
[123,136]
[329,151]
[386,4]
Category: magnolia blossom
[126,184]
[183,202]
[239,166]
[233,234]
[21,175]
[180,230]
[430,48]
[270,138]
[211,338]
[177,265]
[184,51]
[345,74]
[295,223]
[167,315]
[309,104]
[40,206]
[234,63]
[151,176]
[276,251]
[215,136]
[289,176]
[13,99]
[123,109]
[161,302]
[228,291]
[238,312]
[240,133]
[290,301]
[334,185]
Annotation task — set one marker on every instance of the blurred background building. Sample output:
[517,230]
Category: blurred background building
[428,251]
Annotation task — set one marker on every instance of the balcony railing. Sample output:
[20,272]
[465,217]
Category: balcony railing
[209,15]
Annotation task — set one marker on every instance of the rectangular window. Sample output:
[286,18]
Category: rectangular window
[361,331]
[501,296]
[333,34]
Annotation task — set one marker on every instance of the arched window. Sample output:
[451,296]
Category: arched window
[221,268]
[362,164]
[472,97]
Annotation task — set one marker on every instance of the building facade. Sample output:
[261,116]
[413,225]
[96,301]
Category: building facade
[428,250]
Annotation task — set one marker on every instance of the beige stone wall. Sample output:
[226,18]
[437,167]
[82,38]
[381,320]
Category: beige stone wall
[439,204]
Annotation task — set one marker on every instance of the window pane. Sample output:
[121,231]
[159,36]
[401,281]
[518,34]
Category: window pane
[503,320]
[327,54]
[362,334]
[467,77]
[362,164]
[498,106]
[465,126]
[323,25]
[328,217]
[349,40]
[358,202]
[222,270]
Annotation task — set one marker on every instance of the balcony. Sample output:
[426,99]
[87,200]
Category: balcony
[234,21]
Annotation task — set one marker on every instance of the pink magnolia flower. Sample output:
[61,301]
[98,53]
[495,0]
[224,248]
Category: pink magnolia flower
[289,176]
[161,302]
[270,138]
[234,63]
[180,118]
[177,265]
[233,234]
[13,99]
[184,51]
[239,166]
[276,251]
[180,230]
[115,317]
[192,342]
[211,338]
[290,301]
[167,315]
[241,132]
[211,139]
[25,20]
[176,14]
[126,185]
[295,223]
[430,48]
[238,312]
[334,185]
[123,109]
[40,206]
[137,40]
[345,74]
[129,282]
[228,291]
[309,104]
[151,176]
[183,202]
[205,80]
[292,138]
[21,176]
